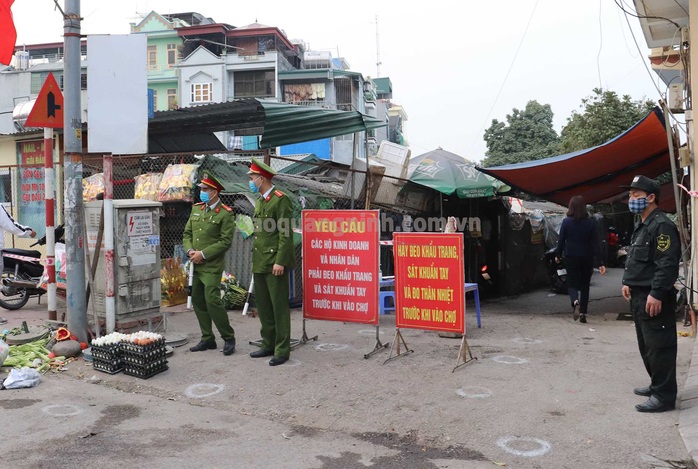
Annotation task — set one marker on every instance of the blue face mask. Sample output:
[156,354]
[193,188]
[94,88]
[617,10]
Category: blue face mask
[638,206]
[253,187]
[204,196]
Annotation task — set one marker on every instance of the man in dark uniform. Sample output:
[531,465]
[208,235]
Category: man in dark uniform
[272,258]
[207,237]
[651,269]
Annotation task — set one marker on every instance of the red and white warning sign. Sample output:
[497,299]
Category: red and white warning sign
[139,223]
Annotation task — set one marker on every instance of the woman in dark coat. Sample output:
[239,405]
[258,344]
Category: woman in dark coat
[579,242]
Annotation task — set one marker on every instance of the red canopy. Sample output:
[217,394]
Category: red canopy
[595,173]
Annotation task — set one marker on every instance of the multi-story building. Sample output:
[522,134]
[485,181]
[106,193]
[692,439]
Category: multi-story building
[326,82]
[164,51]
[395,114]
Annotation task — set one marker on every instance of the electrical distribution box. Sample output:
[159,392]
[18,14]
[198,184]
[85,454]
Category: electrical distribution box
[137,283]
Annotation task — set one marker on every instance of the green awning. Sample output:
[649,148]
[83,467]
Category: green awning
[289,123]
[277,123]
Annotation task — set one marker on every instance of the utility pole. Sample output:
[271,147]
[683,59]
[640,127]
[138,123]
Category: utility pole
[72,150]
[690,130]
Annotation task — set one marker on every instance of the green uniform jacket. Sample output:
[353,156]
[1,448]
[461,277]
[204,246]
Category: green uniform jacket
[211,232]
[653,258]
[273,238]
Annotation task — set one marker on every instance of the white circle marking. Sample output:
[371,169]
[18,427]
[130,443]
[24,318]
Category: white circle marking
[526,340]
[331,347]
[474,392]
[509,360]
[369,332]
[200,390]
[62,410]
[506,441]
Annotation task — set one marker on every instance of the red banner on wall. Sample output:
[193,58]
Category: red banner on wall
[340,265]
[32,209]
[429,281]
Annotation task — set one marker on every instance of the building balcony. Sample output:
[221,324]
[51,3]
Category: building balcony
[161,71]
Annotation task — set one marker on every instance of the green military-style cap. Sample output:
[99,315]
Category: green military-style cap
[257,167]
[209,180]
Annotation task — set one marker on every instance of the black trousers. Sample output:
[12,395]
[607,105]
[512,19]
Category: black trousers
[579,270]
[656,338]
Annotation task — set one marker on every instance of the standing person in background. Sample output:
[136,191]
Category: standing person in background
[651,269]
[7,223]
[582,249]
[207,237]
[272,258]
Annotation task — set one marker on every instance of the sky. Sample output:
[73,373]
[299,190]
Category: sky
[454,65]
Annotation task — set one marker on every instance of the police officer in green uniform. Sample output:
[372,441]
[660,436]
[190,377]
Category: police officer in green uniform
[207,237]
[651,268]
[272,257]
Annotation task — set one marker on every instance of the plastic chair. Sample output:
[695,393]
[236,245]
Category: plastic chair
[473,288]
[386,306]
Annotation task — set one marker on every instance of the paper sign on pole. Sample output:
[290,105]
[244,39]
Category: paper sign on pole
[340,265]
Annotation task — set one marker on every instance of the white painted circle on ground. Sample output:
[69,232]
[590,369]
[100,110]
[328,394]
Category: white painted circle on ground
[369,332]
[474,392]
[62,410]
[331,347]
[526,340]
[524,442]
[509,360]
[200,390]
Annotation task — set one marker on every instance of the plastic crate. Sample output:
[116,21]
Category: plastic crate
[144,359]
[108,352]
[145,372]
[108,367]
[142,349]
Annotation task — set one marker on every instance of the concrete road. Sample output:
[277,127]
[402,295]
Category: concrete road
[544,392]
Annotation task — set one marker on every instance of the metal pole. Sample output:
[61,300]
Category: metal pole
[109,266]
[74,212]
[353,166]
[675,184]
[50,223]
[693,66]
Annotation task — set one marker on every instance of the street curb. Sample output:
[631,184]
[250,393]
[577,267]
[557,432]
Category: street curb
[688,415]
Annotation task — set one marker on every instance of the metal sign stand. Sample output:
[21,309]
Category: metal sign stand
[379,346]
[464,348]
[305,339]
[294,342]
[398,339]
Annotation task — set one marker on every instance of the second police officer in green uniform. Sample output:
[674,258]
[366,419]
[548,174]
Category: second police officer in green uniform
[651,269]
[272,257]
[207,237]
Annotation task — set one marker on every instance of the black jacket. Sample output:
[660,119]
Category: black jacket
[654,255]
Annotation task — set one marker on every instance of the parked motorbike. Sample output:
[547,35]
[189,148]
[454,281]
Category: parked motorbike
[21,277]
[557,274]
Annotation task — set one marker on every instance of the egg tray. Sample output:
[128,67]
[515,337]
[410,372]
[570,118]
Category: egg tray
[152,354]
[135,348]
[138,372]
[145,367]
[108,362]
[144,360]
[107,367]
[108,352]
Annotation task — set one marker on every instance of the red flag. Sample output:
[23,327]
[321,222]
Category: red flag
[8,33]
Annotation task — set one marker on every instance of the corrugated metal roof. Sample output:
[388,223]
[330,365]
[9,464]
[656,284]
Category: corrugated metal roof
[277,123]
